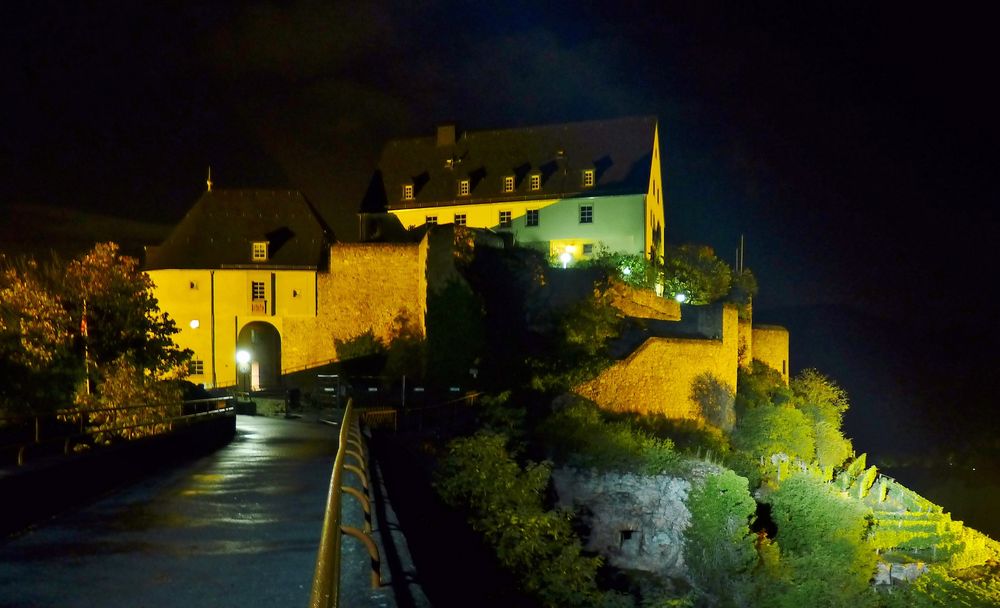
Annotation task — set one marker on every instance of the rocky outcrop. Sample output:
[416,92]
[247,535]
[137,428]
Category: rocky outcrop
[635,521]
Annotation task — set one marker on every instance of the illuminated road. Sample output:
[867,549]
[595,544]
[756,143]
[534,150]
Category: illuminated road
[239,527]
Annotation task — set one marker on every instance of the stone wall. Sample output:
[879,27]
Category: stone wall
[644,303]
[770,346]
[635,521]
[657,377]
[368,287]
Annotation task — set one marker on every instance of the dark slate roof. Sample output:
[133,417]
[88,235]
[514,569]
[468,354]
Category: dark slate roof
[219,230]
[619,151]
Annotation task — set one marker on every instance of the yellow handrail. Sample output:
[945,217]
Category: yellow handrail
[326,580]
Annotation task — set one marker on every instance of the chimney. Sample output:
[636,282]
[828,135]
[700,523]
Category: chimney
[446,135]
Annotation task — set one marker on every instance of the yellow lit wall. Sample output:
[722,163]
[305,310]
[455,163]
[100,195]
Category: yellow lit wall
[220,301]
[657,378]
[654,206]
[770,346]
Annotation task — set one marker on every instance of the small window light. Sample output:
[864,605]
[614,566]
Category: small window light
[588,178]
[259,251]
[536,182]
[407,192]
[463,187]
[508,183]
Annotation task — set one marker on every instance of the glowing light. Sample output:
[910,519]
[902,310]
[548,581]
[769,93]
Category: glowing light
[195,324]
[681,298]
[626,271]
[565,258]
[242,357]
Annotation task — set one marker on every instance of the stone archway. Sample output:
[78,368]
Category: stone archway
[263,344]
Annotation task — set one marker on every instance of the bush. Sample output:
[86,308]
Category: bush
[580,436]
[759,386]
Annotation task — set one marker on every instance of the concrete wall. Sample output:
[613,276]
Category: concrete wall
[657,377]
[770,346]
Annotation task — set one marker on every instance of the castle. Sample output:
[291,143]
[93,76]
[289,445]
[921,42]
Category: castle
[260,289]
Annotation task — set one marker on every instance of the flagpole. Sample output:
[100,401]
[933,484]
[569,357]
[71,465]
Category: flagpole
[86,350]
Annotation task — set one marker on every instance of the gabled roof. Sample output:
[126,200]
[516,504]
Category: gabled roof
[218,232]
[619,151]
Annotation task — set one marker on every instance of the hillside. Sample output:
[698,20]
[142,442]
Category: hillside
[35,230]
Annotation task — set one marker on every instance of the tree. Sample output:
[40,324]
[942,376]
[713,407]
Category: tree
[715,399]
[123,318]
[759,386]
[819,397]
[718,545]
[38,367]
[822,538]
[695,271]
[781,429]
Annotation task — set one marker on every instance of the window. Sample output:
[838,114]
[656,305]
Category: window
[588,249]
[531,217]
[196,367]
[193,284]
[463,187]
[586,214]
[508,183]
[459,219]
[505,219]
[407,192]
[431,219]
[257,290]
[259,251]
[588,178]
[536,182]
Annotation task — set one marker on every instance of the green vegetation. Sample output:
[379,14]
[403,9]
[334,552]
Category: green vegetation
[832,518]
[505,503]
[694,271]
[719,547]
[580,436]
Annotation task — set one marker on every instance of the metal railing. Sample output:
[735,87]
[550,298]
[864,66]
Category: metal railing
[84,426]
[326,580]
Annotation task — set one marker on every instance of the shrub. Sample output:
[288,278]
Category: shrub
[695,271]
[580,436]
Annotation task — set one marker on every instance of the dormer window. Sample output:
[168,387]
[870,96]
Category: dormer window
[536,182]
[258,252]
[407,192]
[463,187]
[508,183]
[588,178]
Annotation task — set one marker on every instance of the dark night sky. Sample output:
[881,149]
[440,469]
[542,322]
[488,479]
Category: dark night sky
[853,143]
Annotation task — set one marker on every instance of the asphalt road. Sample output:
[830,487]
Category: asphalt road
[239,528]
